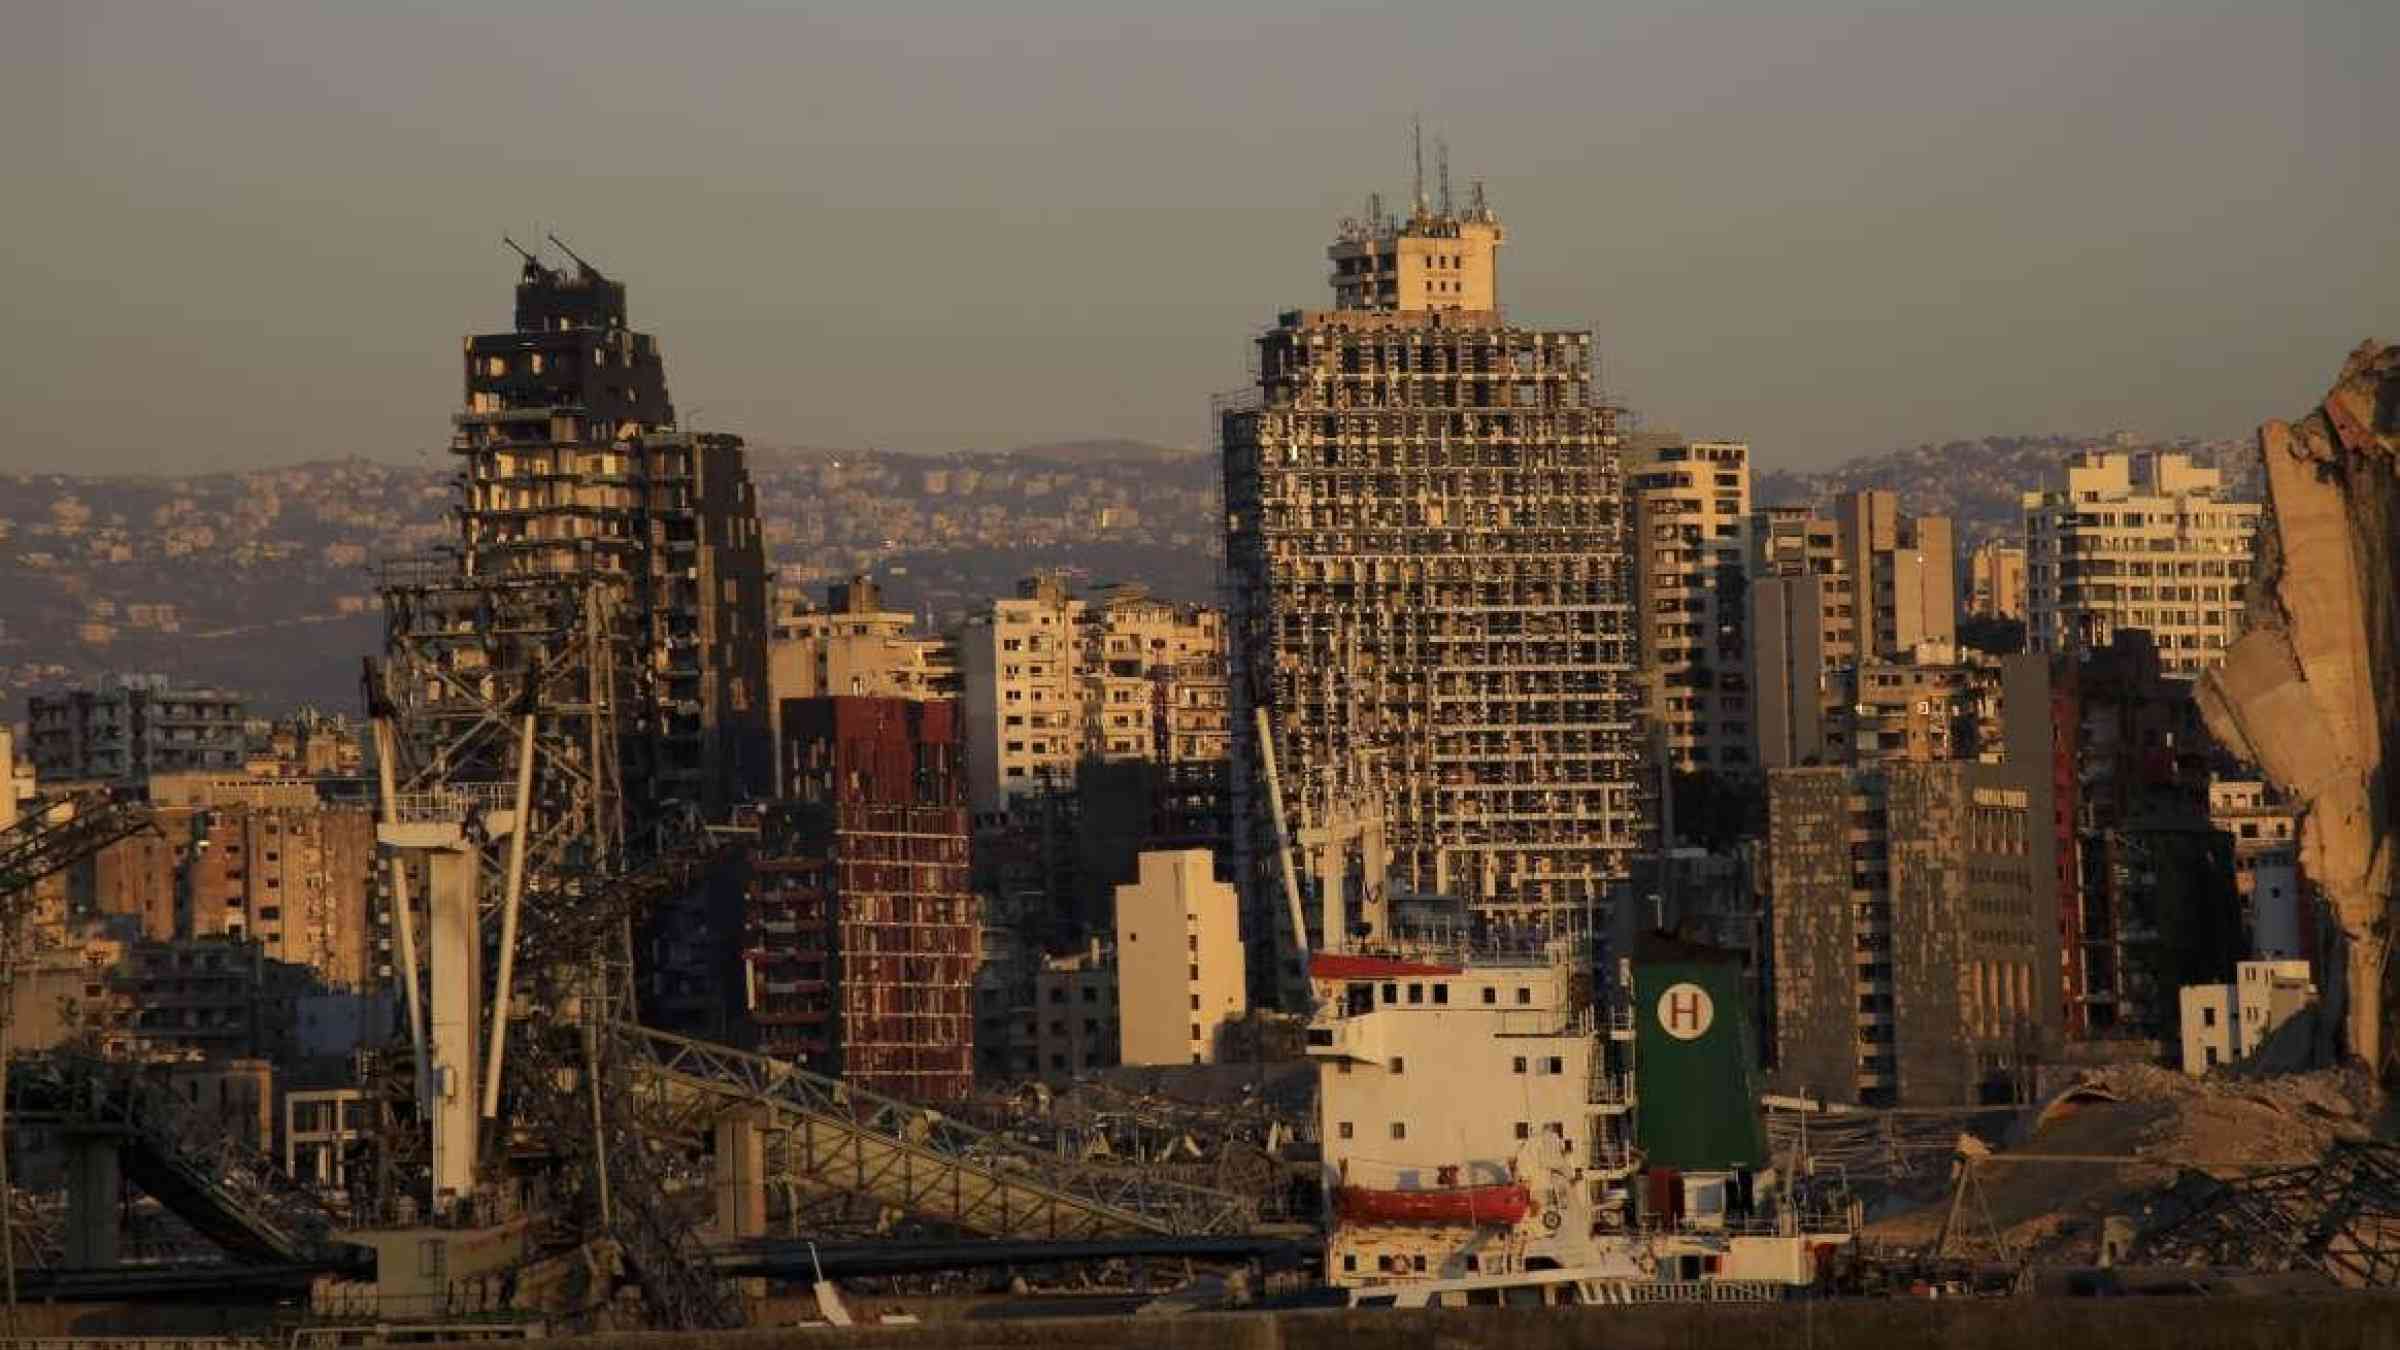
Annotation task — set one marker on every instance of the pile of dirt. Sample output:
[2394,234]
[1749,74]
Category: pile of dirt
[2158,1123]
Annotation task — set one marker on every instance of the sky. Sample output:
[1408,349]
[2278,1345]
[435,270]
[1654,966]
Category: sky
[253,233]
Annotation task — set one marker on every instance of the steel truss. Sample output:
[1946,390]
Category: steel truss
[2339,1217]
[909,1157]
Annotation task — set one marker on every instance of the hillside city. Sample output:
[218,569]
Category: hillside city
[1454,859]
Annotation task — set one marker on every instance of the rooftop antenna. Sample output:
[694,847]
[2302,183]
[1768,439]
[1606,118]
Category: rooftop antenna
[1417,134]
[1476,202]
[533,265]
[588,269]
[1441,159]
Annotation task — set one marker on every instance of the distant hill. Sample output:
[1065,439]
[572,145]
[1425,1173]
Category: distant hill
[1106,450]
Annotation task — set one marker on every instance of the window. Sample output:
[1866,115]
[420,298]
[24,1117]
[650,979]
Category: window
[1195,1031]
[2208,1017]
[1399,1065]
[1194,970]
[1400,1129]
[1558,1065]
[1524,994]
[1441,993]
[1490,995]
[1391,993]
[1344,1130]
[1195,1003]
[1416,993]
[1350,1262]
[1524,1131]
[1520,1064]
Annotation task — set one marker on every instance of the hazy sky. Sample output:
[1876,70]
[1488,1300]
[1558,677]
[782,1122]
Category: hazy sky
[254,232]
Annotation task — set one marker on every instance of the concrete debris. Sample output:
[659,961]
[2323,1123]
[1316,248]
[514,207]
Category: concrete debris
[2311,691]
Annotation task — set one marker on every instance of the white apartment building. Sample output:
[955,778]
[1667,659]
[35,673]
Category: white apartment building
[2225,1024]
[2141,541]
[2266,862]
[1050,680]
[1691,509]
[1182,973]
[1019,663]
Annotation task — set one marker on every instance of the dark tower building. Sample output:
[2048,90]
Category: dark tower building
[571,464]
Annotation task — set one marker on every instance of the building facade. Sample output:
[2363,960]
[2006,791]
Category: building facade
[1181,971]
[2144,541]
[1432,597]
[1914,935]
[128,727]
[1996,580]
[855,647]
[1829,593]
[572,464]
[861,936]
[1691,515]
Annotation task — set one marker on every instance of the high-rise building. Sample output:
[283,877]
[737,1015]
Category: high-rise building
[2145,541]
[1433,604]
[1691,514]
[1916,945]
[861,933]
[128,727]
[1996,580]
[1829,593]
[572,465]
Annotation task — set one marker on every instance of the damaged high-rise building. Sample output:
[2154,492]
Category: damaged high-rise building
[572,464]
[1432,601]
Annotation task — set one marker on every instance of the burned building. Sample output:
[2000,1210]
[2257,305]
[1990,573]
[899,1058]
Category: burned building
[1432,600]
[861,935]
[571,464]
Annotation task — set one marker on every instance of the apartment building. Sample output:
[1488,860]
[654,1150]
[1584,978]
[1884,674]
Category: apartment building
[1827,593]
[2143,541]
[127,727]
[1691,515]
[1996,580]
[861,935]
[1914,928]
[1020,663]
[854,646]
[1181,970]
[1433,600]
[2266,857]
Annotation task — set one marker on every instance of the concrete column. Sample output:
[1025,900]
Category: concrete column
[741,1176]
[454,955]
[93,1187]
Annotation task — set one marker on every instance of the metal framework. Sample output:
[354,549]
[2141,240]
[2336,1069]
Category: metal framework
[909,1157]
[2339,1217]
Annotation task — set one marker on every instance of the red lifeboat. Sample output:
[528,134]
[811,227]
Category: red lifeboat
[1505,1203]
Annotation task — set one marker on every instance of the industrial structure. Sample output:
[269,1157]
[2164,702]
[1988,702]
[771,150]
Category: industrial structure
[1432,601]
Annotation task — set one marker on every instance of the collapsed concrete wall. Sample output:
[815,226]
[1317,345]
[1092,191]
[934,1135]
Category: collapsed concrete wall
[2311,691]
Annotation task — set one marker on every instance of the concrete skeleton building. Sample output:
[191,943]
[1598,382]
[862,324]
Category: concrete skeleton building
[2145,541]
[1826,594]
[128,727]
[1691,516]
[1432,600]
[861,936]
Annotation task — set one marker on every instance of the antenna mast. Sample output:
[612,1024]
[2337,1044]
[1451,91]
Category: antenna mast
[579,262]
[1417,137]
[1441,159]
